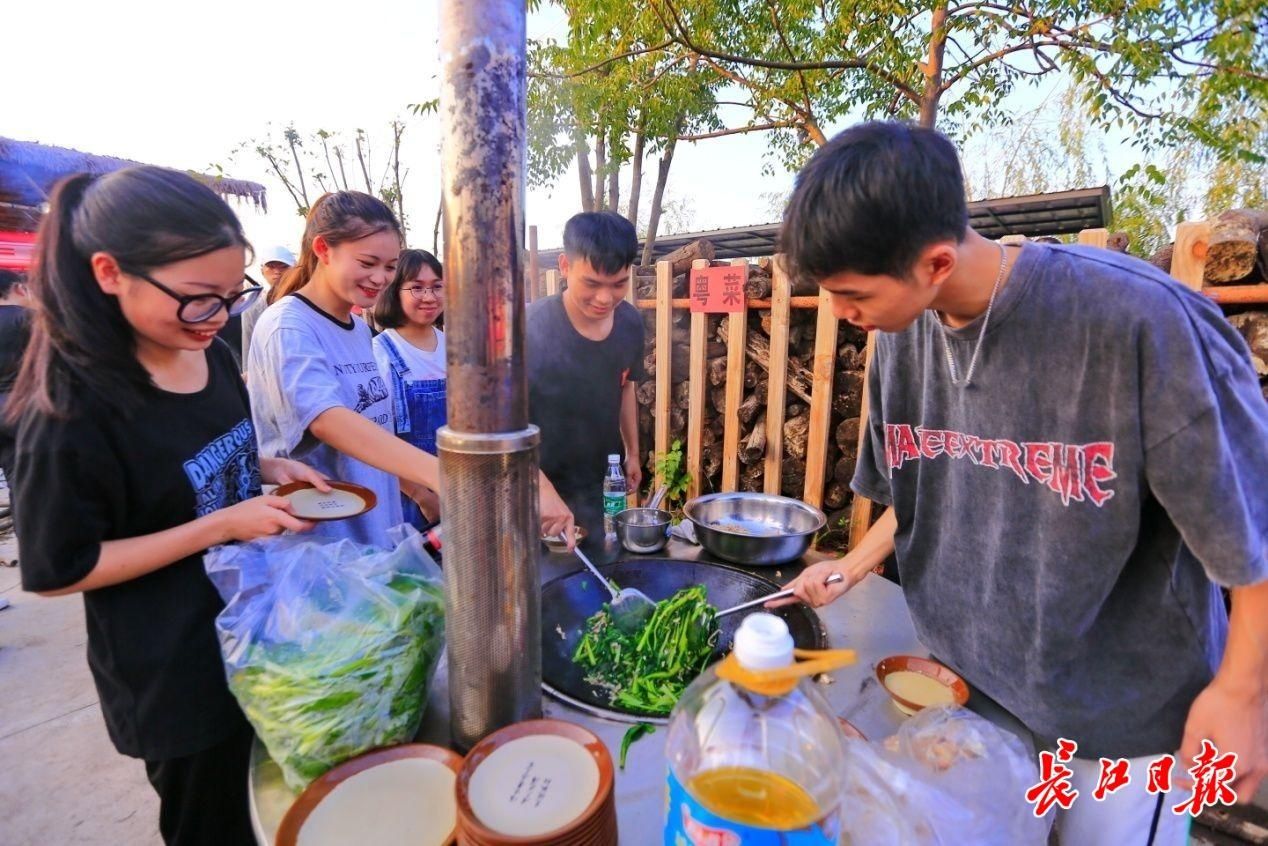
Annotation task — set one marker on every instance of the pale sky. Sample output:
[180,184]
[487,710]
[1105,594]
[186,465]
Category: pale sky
[181,85]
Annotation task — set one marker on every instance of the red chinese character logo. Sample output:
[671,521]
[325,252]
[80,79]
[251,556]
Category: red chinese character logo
[1160,774]
[1054,780]
[1114,776]
[700,288]
[1212,774]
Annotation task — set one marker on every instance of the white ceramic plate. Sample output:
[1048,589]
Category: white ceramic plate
[533,785]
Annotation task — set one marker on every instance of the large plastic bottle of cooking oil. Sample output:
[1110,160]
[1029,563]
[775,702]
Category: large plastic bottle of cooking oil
[749,768]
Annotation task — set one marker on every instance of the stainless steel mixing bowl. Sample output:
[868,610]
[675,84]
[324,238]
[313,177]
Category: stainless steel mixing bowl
[643,530]
[754,528]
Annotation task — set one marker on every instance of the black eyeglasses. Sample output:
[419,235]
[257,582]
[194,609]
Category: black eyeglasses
[199,308]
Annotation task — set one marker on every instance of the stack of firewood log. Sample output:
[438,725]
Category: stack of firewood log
[1237,249]
[1237,254]
[846,396]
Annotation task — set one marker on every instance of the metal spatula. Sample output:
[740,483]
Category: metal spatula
[762,600]
[631,608]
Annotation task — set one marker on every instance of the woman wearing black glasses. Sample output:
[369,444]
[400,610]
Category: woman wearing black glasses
[135,442]
[411,352]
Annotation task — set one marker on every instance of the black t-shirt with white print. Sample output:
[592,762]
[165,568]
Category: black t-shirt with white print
[96,477]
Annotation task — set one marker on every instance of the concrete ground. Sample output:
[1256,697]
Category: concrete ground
[62,782]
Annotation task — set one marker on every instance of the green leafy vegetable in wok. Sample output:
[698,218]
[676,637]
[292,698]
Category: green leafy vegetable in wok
[649,670]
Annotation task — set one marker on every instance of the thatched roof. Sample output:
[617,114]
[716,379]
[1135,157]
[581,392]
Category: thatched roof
[29,170]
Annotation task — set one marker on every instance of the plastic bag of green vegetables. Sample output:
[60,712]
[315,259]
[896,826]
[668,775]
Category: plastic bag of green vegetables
[330,648]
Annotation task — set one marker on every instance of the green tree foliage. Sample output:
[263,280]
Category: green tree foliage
[601,99]
[1192,182]
[1057,146]
[607,99]
[1164,71]
[1185,82]
[1052,147]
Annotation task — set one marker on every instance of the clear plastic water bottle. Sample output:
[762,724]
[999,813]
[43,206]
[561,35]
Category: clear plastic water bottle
[613,495]
[751,768]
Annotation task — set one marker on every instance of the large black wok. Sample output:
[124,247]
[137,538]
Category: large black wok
[568,601]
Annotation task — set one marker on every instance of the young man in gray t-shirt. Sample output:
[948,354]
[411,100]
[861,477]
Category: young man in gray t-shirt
[1073,448]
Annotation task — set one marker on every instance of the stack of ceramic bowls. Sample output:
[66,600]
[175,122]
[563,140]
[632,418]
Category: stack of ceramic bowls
[388,797]
[536,783]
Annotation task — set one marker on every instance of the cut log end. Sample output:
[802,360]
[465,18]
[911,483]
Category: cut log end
[1233,250]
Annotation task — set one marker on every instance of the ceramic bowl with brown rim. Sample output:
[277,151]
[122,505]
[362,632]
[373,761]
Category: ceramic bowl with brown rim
[389,797]
[536,782]
[917,683]
[343,501]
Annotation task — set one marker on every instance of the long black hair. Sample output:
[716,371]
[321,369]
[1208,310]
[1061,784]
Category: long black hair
[388,313]
[144,217]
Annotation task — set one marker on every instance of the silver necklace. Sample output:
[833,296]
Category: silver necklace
[977,349]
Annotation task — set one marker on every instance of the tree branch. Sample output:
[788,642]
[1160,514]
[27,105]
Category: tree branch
[292,138]
[1118,96]
[658,75]
[277,169]
[801,76]
[743,130]
[642,51]
[362,156]
[681,36]
[329,164]
[742,81]
[1232,69]
[964,71]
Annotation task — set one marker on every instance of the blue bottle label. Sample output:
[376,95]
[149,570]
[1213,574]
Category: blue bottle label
[688,823]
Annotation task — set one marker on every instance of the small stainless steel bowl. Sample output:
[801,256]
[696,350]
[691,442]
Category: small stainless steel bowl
[754,529]
[643,530]
[556,544]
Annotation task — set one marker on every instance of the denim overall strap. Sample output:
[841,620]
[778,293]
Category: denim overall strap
[427,411]
[400,373]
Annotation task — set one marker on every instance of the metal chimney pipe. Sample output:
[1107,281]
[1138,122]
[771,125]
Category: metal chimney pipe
[488,452]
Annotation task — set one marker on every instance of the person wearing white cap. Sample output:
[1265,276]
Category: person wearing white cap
[274,261]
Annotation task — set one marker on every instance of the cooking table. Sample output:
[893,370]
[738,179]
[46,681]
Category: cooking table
[871,619]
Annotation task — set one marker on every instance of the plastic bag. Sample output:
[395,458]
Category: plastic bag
[947,777]
[329,648]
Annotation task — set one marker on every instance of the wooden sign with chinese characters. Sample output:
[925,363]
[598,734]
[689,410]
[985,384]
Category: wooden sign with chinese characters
[718,290]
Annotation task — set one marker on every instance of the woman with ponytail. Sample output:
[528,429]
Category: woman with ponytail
[316,390]
[135,453]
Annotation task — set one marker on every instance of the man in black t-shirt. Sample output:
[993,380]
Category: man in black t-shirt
[584,355]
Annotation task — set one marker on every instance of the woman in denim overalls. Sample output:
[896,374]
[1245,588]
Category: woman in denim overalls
[411,352]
